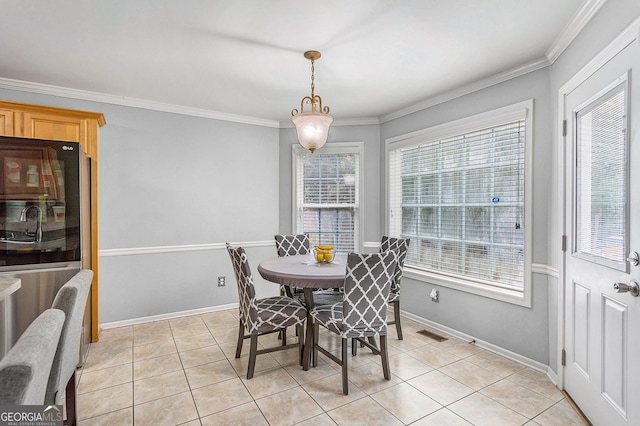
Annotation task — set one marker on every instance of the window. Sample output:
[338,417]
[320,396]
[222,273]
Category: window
[459,192]
[326,195]
[601,179]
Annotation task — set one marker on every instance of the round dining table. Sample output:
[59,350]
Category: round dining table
[304,272]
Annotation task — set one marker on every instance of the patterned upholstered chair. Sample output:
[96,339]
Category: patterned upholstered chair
[262,316]
[400,245]
[363,311]
[298,244]
[25,369]
[72,300]
[292,245]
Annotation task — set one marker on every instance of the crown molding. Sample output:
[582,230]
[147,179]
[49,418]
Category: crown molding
[198,112]
[575,25]
[362,121]
[629,35]
[469,88]
[65,92]
[568,34]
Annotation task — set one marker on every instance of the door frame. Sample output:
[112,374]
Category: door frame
[630,35]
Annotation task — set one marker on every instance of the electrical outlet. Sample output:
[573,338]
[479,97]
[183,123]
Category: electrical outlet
[221,281]
[435,295]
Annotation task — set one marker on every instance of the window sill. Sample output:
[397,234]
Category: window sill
[516,297]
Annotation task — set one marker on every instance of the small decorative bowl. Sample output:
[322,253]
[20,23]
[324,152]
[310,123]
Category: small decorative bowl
[323,254]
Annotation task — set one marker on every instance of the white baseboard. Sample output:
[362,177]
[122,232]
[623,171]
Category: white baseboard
[171,315]
[538,366]
[552,376]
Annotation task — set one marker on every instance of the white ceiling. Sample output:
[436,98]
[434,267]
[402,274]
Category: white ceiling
[245,57]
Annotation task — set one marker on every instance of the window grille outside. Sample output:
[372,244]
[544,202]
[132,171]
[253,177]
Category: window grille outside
[327,193]
[461,201]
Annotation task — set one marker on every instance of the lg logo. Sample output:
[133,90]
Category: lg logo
[67,148]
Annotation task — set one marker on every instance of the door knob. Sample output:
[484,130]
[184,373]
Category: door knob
[632,288]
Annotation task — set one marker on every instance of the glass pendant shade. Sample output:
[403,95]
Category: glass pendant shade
[313,126]
[312,129]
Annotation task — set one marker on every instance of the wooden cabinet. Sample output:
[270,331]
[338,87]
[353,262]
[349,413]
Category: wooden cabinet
[6,122]
[42,122]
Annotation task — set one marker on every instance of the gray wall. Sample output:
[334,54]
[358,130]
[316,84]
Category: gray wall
[173,190]
[522,330]
[177,181]
[171,179]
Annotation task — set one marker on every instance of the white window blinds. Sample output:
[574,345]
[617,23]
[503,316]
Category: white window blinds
[461,199]
[601,177]
[327,197]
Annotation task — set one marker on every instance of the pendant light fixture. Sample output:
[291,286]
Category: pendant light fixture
[312,127]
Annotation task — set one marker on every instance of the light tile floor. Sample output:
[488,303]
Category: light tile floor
[183,372]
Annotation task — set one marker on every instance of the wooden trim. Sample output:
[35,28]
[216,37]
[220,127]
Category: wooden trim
[95,259]
[17,106]
[576,408]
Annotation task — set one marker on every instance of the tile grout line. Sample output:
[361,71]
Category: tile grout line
[133,378]
[279,365]
[184,371]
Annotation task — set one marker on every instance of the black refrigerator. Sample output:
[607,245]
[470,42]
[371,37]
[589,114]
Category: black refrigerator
[44,228]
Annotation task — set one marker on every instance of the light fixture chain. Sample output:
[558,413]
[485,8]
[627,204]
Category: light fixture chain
[313,86]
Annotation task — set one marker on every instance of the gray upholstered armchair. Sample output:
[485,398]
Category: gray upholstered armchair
[71,299]
[25,369]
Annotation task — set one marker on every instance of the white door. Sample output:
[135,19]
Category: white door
[602,174]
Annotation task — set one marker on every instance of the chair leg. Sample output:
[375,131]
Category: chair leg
[240,339]
[345,374]
[385,357]
[70,400]
[284,337]
[300,333]
[307,346]
[284,291]
[372,341]
[316,332]
[354,344]
[396,316]
[252,355]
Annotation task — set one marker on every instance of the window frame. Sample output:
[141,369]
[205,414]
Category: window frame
[598,100]
[518,111]
[333,148]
